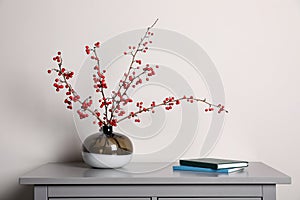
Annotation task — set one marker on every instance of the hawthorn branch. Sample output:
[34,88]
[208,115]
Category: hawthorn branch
[130,68]
[71,90]
[101,87]
[166,103]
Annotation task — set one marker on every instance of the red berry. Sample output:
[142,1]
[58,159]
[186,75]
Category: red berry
[49,71]
[59,53]
[97,44]
[206,110]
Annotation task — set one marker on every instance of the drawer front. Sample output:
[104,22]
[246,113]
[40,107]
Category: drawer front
[158,199]
[99,198]
[167,191]
[209,198]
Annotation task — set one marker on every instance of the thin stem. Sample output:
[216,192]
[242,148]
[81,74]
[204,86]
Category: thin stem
[166,103]
[129,69]
[101,88]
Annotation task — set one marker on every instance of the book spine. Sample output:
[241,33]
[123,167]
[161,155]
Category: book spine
[197,169]
[198,164]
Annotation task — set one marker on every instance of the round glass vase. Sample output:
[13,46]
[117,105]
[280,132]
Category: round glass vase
[107,149]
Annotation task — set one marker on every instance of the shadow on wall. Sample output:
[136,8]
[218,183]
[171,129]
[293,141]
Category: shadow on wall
[42,114]
[20,193]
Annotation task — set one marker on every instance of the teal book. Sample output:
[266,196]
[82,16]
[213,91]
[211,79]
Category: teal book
[213,163]
[199,169]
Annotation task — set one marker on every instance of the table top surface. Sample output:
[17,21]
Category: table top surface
[79,173]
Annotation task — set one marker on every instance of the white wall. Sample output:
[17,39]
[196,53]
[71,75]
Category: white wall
[254,44]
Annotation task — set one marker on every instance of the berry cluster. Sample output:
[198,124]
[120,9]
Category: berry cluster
[61,81]
[82,115]
[221,108]
[86,104]
[209,109]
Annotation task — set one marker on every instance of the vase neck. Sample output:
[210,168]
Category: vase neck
[107,130]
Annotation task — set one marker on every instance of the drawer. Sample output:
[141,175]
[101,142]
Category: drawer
[209,198]
[158,199]
[190,192]
[99,198]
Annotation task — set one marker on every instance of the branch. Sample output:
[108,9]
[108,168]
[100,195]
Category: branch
[101,86]
[170,102]
[71,90]
[129,69]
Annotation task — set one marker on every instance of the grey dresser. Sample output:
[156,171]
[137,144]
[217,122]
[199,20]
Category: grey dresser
[76,181]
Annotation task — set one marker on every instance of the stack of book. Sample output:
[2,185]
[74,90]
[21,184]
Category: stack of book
[213,165]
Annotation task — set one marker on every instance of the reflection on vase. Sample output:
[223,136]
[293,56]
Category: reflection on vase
[107,149]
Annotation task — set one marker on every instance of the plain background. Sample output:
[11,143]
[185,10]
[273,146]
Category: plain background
[254,44]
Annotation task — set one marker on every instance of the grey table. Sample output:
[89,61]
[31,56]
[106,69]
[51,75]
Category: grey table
[76,181]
